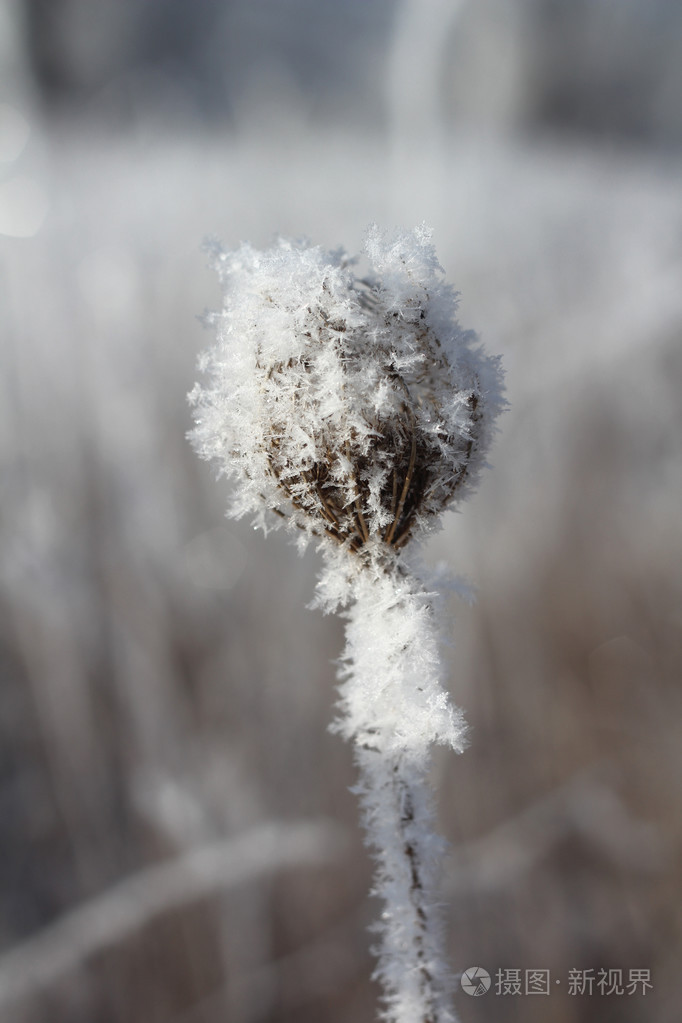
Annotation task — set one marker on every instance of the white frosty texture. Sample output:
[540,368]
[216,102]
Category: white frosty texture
[392,705]
[350,408]
[391,697]
[397,813]
[356,410]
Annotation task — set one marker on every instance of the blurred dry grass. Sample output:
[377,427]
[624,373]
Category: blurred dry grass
[164,687]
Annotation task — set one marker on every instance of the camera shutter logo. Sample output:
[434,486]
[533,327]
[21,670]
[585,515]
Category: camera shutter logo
[475,981]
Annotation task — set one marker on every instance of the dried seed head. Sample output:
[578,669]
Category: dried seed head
[353,408]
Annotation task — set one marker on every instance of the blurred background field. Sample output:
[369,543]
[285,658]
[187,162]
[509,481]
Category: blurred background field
[177,839]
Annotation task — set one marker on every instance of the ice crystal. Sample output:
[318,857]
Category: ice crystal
[354,408]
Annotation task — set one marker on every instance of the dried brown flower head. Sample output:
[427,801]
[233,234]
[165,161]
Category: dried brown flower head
[354,408]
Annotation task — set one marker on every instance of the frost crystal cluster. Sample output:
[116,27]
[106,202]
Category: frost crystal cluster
[354,410]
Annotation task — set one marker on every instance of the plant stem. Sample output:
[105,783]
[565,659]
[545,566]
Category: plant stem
[397,813]
[394,709]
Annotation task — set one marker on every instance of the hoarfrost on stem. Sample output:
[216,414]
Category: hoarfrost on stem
[354,410]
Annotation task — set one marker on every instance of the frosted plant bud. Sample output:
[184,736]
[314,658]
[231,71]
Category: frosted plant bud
[356,409]
[352,407]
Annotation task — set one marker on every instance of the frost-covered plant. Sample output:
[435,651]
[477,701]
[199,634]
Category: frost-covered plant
[354,410]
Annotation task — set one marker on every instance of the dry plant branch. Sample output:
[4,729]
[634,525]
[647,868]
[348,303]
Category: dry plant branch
[355,410]
[119,912]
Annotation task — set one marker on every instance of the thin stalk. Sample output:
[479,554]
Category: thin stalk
[393,711]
